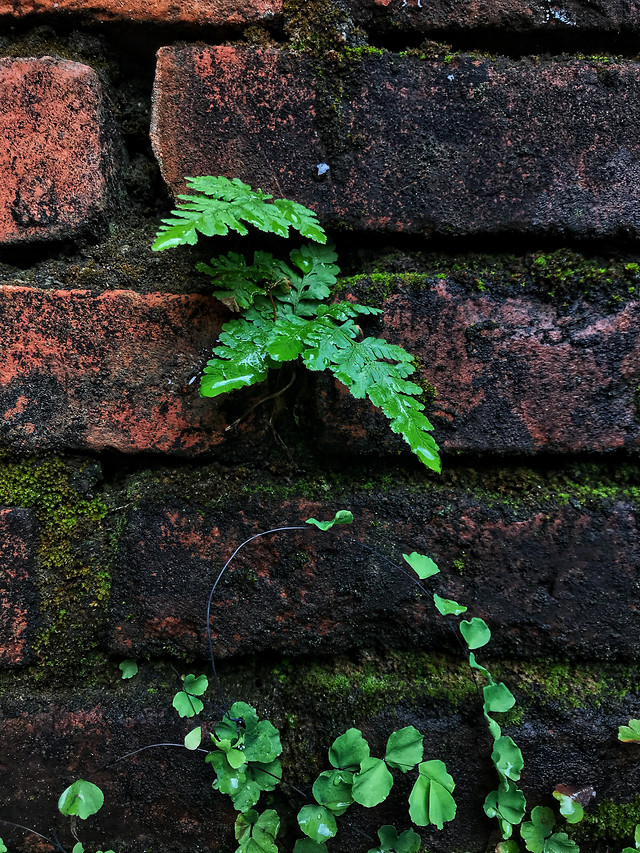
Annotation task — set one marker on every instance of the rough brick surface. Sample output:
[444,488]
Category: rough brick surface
[201,12]
[507,15]
[512,374]
[18,604]
[54,161]
[93,372]
[465,147]
[536,576]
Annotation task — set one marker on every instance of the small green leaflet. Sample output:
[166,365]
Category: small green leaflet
[630,733]
[404,749]
[508,804]
[343,516]
[507,758]
[430,800]
[257,833]
[221,204]
[193,739]
[129,668]
[447,607]
[390,842]
[636,837]
[423,566]
[318,823]
[507,847]
[3,848]
[306,845]
[348,750]
[570,809]
[332,789]
[476,632]
[78,848]
[535,832]
[186,705]
[372,784]
[498,697]
[82,799]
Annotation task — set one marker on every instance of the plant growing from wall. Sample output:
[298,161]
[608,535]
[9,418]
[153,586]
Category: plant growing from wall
[286,315]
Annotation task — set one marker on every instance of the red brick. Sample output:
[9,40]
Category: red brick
[511,374]
[18,606]
[201,12]
[459,148]
[108,371]
[517,16]
[53,167]
[536,576]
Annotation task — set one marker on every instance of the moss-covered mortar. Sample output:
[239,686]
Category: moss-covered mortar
[73,572]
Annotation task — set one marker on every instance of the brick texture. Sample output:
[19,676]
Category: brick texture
[552,597]
[514,16]
[93,372]
[54,162]
[512,374]
[18,604]
[466,147]
[201,12]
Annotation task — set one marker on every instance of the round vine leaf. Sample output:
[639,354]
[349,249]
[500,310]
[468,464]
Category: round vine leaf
[129,668]
[195,685]
[348,750]
[447,607]
[560,842]
[476,632]
[262,742]
[507,758]
[423,566]
[318,823]
[77,848]
[193,739]
[267,776]
[430,800]
[82,799]
[498,697]
[508,803]
[333,790]
[404,749]
[185,705]
[372,784]
[246,797]
[535,832]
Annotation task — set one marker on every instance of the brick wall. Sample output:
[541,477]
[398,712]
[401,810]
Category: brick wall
[484,191]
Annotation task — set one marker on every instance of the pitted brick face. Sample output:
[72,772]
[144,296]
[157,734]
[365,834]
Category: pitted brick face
[462,148]
[53,165]
[18,607]
[201,12]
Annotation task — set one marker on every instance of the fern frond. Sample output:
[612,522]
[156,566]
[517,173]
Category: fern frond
[222,205]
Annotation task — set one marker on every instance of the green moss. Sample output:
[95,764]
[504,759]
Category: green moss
[610,821]
[71,584]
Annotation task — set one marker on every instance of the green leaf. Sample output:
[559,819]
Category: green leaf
[636,835]
[404,748]
[266,776]
[262,742]
[227,729]
[129,668]
[570,809]
[195,685]
[306,845]
[3,848]
[448,607]
[507,847]
[77,848]
[430,800]
[630,733]
[343,516]
[318,823]
[246,797]
[82,799]
[349,750]
[372,784]
[257,833]
[332,789]
[476,632]
[423,566]
[507,803]
[220,205]
[498,698]
[391,842]
[507,758]
[186,705]
[193,739]
[560,842]
[473,663]
[229,780]
[494,728]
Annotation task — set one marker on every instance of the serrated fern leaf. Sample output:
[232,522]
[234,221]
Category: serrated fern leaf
[222,205]
[241,360]
[378,370]
[237,282]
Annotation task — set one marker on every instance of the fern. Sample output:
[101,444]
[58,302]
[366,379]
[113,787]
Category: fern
[285,311]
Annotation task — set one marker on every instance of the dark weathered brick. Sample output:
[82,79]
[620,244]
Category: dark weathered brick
[202,12]
[18,602]
[54,161]
[466,147]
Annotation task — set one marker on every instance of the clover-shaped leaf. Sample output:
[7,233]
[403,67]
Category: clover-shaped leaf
[430,800]
[538,829]
[404,748]
[318,823]
[423,566]
[349,750]
[256,833]
[82,799]
[630,733]
[372,784]
[390,842]
[476,632]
